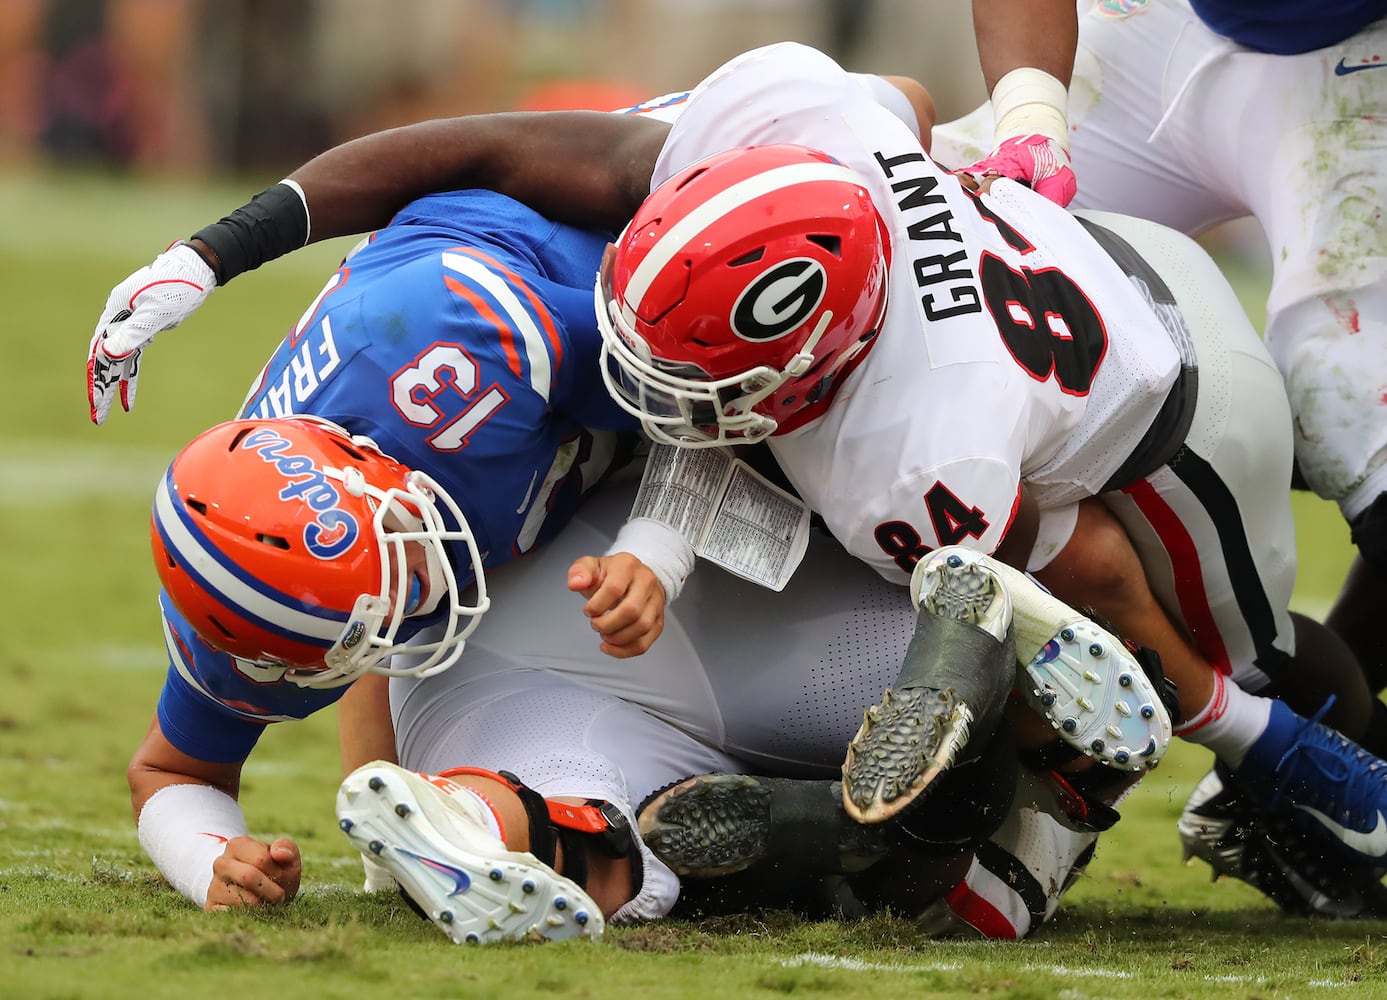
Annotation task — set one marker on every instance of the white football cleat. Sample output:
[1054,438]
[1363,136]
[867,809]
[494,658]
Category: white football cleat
[440,849]
[1082,678]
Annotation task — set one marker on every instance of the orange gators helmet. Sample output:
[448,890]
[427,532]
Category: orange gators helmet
[738,294]
[293,543]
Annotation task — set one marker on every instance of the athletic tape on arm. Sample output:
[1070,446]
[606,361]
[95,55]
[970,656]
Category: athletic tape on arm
[184,829]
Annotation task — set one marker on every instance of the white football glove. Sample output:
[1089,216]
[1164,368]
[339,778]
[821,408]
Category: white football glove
[154,298]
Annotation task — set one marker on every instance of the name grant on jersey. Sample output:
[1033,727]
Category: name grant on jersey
[925,213]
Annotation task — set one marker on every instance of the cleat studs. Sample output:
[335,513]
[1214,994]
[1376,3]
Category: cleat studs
[402,810]
[1066,635]
[473,938]
[1150,748]
[1148,711]
[1070,725]
[1095,649]
[560,903]
[1097,746]
[1092,677]
[1085,704]
[376,846]
[1047,698]
[495,875]
[1123,708]
[345,825]
[1122,755]
[527,886]
[580,918]
[376,783]
[446,916]
[1114,732]
[1125,680]
[954,561]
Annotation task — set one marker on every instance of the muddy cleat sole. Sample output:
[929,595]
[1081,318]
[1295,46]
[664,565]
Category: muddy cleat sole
[718,824]
[952,689]
[1098,697]
[454,869]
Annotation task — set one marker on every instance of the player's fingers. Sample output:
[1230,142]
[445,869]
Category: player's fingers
[285,853]
[614,580]
[630,643]
[583,575]
[255,886]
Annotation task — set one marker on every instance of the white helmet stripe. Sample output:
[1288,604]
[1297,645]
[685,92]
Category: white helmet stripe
[686,229]
[536,347]
[229,588]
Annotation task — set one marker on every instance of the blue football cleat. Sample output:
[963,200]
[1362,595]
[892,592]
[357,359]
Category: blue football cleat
[1334,788]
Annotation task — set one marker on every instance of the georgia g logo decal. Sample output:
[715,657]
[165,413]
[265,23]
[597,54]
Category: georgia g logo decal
[779,300]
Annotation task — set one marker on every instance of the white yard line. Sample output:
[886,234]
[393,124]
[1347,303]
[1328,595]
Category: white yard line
[822,960]
[66,473]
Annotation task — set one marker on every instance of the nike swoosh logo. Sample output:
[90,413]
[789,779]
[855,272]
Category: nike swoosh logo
[526,502]
[1343,69]
[1372,844]
[461,880]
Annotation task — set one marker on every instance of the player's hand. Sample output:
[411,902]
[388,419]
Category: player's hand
[251,873]
[156,297]
[1036,160]
[624,601]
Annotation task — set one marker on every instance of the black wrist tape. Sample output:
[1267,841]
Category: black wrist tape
[270,225]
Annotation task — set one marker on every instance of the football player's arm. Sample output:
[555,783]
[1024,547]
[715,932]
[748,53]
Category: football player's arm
[365,731]
[191,826]
[920,102]
[587,168]
[1026,49]
[1019,539]
[1011,34]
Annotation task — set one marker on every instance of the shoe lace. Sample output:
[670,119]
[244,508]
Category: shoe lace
[1323,761]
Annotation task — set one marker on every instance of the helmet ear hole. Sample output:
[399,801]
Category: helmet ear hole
[833,244]
[748,258]
[221,628]
[352,452]
[238,438]
[197,505]
[274,541]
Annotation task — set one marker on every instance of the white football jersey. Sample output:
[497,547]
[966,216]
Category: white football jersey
[1014,348]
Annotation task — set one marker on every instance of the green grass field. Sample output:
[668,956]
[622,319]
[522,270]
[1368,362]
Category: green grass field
[82,913]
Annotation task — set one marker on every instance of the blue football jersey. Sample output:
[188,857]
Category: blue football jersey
[1286,27]
[461,339]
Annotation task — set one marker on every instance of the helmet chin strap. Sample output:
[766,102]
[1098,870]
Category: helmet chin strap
[804,360]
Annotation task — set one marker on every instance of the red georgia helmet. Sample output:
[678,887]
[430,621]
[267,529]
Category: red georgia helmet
[285,542]
[739,291]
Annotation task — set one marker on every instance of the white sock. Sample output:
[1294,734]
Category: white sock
[1230,723]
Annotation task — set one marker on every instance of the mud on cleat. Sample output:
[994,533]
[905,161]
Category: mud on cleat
[1105,699]
[1270,852]
[718,824]
[450,865]
[951,692]
[1333,789]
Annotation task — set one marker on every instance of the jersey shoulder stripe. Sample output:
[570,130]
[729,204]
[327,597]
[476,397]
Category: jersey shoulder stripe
[524,322]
